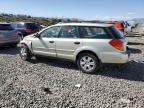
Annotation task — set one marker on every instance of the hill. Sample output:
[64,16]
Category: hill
[138,20]
[40,20]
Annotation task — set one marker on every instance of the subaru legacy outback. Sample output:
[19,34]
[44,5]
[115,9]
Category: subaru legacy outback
[89,45]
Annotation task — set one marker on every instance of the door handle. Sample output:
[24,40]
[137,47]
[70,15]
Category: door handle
[77,43]
[51,41]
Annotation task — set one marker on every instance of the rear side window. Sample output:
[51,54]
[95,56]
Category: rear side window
[32,26]
[20,26]
[6,27]
[115,33]
[68,32]
[93,32]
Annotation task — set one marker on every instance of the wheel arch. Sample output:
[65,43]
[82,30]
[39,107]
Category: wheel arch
[87,51]
[28,44]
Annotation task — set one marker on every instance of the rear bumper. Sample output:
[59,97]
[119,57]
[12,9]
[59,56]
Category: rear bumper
[115,57]
[6,42]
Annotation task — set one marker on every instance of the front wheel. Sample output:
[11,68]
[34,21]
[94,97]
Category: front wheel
[88,63]
[25,53]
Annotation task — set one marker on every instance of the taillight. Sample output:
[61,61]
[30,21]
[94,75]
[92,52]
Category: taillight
[27,30]
[118,44]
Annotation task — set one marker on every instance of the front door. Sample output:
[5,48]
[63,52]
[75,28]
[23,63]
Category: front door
[45,44]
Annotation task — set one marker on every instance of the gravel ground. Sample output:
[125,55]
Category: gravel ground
[50,83]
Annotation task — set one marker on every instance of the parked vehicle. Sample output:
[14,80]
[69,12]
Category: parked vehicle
[25,28]
[8,36]
[131,23]
[139,28]
[128,28]
[120,25]
[87,44]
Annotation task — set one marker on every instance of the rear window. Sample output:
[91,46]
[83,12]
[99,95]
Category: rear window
[6,27]
[115,33]
[93,32]
[32,26]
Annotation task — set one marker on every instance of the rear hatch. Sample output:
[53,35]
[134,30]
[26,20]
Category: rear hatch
[119,37]
[7,32]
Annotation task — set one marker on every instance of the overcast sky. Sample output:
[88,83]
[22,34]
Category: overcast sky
[82,9]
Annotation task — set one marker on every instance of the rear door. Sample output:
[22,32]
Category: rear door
[68,42]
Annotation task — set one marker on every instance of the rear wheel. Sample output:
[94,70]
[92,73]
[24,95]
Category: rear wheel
[25,53]
[88,63]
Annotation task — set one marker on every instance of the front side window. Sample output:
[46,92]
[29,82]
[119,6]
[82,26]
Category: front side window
[93,32]
[68,32]
[51,32]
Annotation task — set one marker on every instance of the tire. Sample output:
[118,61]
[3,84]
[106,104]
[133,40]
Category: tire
[25,53]
[88,63]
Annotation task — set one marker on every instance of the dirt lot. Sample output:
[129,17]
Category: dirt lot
[49,83]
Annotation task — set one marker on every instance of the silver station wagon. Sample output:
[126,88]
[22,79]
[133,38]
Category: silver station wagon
[87,44]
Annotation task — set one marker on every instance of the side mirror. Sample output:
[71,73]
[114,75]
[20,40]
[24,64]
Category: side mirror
[37,35]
